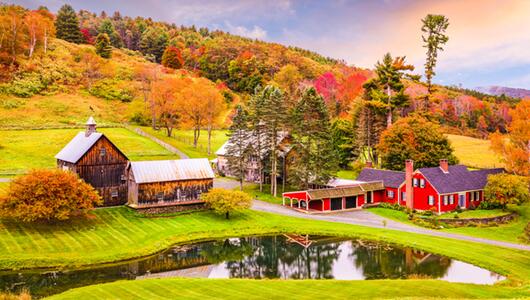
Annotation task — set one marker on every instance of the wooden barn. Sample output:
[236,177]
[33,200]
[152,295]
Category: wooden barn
[168,185]
[97,161]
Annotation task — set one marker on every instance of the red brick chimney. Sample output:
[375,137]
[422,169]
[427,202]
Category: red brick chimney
[368,164]
[444,165]
[409,195]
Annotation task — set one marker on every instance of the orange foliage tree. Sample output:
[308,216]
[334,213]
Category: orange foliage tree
[48,195]
[165,93]
[514,148]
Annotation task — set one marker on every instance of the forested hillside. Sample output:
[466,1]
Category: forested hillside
[58,68]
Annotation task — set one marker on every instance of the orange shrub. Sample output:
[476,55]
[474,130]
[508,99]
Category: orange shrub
[46,195]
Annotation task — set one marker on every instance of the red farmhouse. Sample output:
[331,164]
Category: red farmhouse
[440,189]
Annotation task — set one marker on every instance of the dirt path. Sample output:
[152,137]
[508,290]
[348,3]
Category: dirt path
[158,141]
[366,218]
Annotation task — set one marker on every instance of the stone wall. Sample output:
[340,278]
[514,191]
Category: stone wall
[485,221]
[169,209]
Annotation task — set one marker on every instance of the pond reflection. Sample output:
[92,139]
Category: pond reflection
[286,257]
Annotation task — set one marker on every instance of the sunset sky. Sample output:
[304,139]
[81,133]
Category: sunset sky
[489,41]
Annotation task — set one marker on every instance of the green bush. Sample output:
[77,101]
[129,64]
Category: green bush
[25,86]
[140,119]
[486,205]
[10,103]
[110,89]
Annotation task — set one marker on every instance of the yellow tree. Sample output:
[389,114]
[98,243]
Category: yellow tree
[165,93]
[39,26]
[515,147]
[193,106]
[215,105]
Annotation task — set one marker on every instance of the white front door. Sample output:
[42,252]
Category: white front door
[462,200]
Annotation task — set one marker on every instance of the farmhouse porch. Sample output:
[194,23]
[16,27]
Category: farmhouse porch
[335,199]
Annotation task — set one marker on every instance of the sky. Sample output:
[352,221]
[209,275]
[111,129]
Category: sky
[489,40]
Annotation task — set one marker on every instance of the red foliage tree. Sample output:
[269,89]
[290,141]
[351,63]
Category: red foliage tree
[89,39]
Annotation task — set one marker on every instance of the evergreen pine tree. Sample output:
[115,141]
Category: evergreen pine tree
[67,25]
[316,159]
[434,27]
[107,27]
[103,47]
[256,122]
[237,150]
[274,117]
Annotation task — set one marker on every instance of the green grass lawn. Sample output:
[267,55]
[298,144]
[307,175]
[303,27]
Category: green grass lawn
[253,190]
[183,140]
[118,233]
[477,213]
[23,150]
[475,153]
[509,232]
[182,288]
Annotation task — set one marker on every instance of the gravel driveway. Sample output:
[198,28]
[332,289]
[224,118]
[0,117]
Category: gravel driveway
[366,218]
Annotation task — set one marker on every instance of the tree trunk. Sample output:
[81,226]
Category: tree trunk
[227,216]
[169,130]
[389,113]
[209,138]
[45,40]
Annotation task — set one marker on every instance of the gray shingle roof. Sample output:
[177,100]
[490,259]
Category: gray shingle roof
[391,179]
[458,179]
[171,170]
[78,146]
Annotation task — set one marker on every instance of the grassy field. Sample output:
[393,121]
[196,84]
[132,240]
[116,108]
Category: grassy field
[23,150]
[62,110]
[504,232]
[183,140]
[3,187]
[114,234]
[475,153]
[253,190]
[287,289]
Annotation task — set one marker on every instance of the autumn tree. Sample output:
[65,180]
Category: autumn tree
[257,108]
[225,202]
[48,195]
[67,25]
[102,45]
[288,79]
[12,26]
[215,106]
[514,148]
[237,150]
[172,58]
[165,93]
[91,67]
[503,189]
[434,37]
[316,159]
[147,74]
[414,138]
[192,104]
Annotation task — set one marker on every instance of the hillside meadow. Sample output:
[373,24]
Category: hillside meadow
[474,153]
[23,150]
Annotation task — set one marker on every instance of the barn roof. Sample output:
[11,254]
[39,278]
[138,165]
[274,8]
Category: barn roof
[252,140]
[171,170]
[78,146]
[458,179]
[391,179]
[346,191]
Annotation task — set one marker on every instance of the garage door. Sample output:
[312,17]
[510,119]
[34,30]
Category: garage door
[336,203]
[351,202]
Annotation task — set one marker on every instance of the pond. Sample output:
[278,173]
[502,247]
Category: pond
[282,256]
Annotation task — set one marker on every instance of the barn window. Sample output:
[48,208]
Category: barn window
[160,196]
[390,194]
[114,193]
[452,199]
[445,199]
[422,183]
[415,181]
[477,196]
[431,200]
[102,152]
[472,196]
